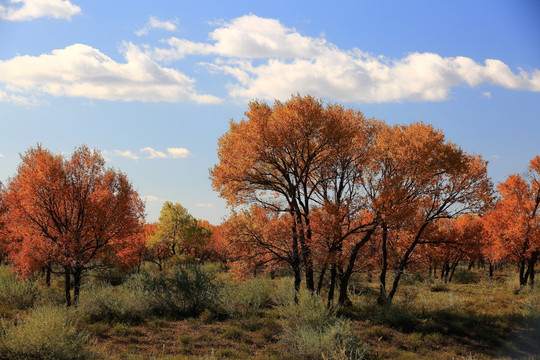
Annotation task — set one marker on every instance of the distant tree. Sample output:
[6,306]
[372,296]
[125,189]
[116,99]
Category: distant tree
[180,233]
[74,212]
[513,226]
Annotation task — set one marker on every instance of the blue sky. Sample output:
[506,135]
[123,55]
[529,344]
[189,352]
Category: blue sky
[153,84]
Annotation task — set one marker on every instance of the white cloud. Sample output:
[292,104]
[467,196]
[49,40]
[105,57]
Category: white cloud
[487,94]
[122,153]
[82,71]
[151,198]
[269,61]
[154,23]
[17,99]
[20,10]
[152,153]
[1,155]
[179,153]
[204,205]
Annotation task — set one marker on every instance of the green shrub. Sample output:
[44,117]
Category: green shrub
[464,276]
[119,303]
[189,289]
[16,293]
[244,300]
[399,316]
[439,286]
[311,331]
[46,333]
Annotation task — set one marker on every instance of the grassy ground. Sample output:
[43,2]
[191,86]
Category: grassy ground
[481,319]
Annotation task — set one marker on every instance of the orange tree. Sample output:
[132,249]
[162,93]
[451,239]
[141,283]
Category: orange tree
[513,226]
[74,212]
[279,157]
[418,177]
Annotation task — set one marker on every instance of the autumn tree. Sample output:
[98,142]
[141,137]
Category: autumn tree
[277,158]
[417,178]
[259,240]
[74,212]
[180,233]
[513,226]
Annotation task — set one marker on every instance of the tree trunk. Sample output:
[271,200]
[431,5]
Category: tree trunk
[67,285]
[76,284]
[333,274]
[383,297]
[522,277]
[491,268]
[344,283]
[453,269]
[48,275]
[405,260]
[296,263]
[321,278]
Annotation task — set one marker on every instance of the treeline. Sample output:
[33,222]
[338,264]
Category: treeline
[317,190]
[326,192]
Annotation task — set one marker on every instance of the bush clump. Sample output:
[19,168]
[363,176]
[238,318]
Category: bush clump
[312,331]
[464,276]
[244,300]
[47,333]
[119,303]
[184,290]
[16,293]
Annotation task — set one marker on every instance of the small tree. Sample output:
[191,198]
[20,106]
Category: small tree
[74,212]
[513,226]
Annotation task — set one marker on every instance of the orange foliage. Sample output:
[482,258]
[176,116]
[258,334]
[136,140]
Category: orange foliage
[74,212]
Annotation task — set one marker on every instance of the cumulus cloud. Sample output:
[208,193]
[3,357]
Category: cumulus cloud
[204,205]
[179,153]
[21,10]
[122,153]
[153,154]
[269,60]
[151,198]
[155,23]
[83,71]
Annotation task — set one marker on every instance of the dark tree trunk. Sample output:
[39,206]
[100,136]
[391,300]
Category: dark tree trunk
[405,261]
[344,283]
[48,275]
[333,275]
[522,275]
[321,278]
[67,285]
[491,268]
[76,284]
[296,263]
[453,269]
[471,265]
[383,297]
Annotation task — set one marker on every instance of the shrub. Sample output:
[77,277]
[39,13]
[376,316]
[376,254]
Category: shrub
[246,299]
[16,293]
[115,304]
[312,331]
[46,333]
[399,316]
[464,276]
[189,289]
[439,286]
